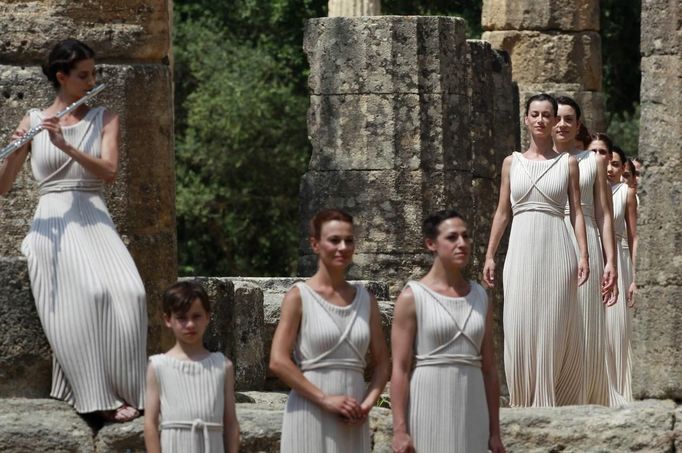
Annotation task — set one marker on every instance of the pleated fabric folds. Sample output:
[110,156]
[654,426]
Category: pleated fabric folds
[192,395]
[592,308]
[330,349]
[543,337]
[448,411]
[88,292]
[619,315]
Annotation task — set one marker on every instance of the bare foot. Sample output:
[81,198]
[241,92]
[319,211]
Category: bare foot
[122,414]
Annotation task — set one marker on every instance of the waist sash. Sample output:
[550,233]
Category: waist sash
[64,185]
[528,206]
[193,426]
[448,359]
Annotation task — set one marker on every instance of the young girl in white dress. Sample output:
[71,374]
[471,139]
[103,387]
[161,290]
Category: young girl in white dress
[190,391]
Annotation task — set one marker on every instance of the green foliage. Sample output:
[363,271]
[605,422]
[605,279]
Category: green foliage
[241,149]
[624,130]
[470,10]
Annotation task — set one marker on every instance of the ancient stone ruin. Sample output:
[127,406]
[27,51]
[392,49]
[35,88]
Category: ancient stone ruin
[406,117]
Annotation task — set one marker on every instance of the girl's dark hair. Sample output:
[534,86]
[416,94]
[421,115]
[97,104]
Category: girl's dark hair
[178,298]
[617,149]
[63,58]
[565,100]
[327,215]
[584,136]
[432,221]
[631,167]
[542,97]
[602,137]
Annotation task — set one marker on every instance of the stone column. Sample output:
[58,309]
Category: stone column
[555,47]
[350,8]
[406,117]
[132,42]
[657,338]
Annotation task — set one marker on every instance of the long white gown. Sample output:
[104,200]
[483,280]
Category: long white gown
[448,411]
[589,294]
[88,292]
[542,327]
[619,315]
[330,350]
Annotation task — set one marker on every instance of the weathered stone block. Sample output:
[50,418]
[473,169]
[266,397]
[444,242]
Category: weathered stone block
[386,54]
[657,342]
[32,425]
[142,199]
[660,28]
[640,426]
[118,29]
[580,15]
[121,437]
[25,356]
[354,8]
[552,57]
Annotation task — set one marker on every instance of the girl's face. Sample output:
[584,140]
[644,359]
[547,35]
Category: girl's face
[600,148]
[81,79]
[453,244]
[336,244]
[614,170]
[567,125]
[189,327]
[540,119]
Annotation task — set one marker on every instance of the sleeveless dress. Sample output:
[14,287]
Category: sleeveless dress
[589,294]
[542,325]
[330,350]
[88,293]
[192,395]
[619,315]
[447,409]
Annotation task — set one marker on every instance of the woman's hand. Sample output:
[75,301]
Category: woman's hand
[55,130]
[16,136]
[610,298]
[402,443]
[631,294]
[495,445]
[344,406]
[583,271]
[489,272]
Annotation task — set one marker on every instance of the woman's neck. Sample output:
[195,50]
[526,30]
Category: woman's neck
[566,147]
[448,276]
[326,277]
[541,146]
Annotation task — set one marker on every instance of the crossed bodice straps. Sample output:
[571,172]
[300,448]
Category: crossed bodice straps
[546,204]
[439,356]
[326,359]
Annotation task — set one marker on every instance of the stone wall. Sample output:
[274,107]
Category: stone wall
[555,47]
[132,42]
[657,339]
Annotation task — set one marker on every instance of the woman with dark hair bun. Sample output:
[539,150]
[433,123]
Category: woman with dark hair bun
[449,402]
[542,328]
[88,292]
[329,324]
[596,205]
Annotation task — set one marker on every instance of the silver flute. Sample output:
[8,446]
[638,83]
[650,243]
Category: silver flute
[17,144]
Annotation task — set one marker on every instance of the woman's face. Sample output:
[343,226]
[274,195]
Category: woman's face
[81,79]
[567,125]
[615,169]
[540,119]
[336,244]
[453,244]
[599,147]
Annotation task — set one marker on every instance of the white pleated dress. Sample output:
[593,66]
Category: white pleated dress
[448,412]
[192,395]
[542,326]
[330,350]
[589,294]
[88,292]
[619,315]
